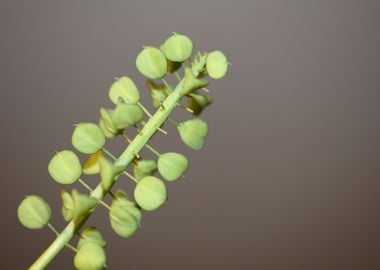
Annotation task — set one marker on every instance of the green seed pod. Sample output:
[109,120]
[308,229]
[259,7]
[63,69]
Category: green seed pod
[216,64]
[108,172]
[125,217]
[193,133]
[144,168]
[91,165]
[191,83]
[127,115]
[67,205]
[106,124]
[158,92]
[172,66]
[151,62]
[82,204]
[197,103]
[91,234]
[124,90]
[88,138]
[172,165]
[33,212]
[150,193]
[90,256]
[178,48]
[65,167]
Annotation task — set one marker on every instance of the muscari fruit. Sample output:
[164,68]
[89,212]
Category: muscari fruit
[88,138]
[91,234]
[91,165]
[193,133]
[150,193]
[142,168]
[126,115]
[197,102]
[151,62]
[90,256]
[106,124]
[65,167]
[216,64]
[125,90]
[33,212]
[67,205]
[172,165]
[178,48]
[81,204]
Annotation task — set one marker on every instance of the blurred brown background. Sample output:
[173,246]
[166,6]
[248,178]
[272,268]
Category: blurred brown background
[289,177]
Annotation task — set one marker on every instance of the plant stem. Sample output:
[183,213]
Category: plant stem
[125,159]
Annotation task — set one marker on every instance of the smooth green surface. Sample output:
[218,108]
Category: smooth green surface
[124,90]
[65,167]
[150,193]
[34,212]
[172,165]
[178,48]
[151,62]
[193,133]
[144,168]
[90,256]
[216,64]
[67,205]
[91,234]
[125,217]
[88,138]
[127,115]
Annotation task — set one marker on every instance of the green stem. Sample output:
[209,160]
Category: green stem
[124,160]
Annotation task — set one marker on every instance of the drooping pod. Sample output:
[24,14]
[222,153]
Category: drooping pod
[90,256]
[150,193]
[91,165]
[172,165]
[88,138]
[178,48]
[197,102]
[67,205]
[91,234]
[81,204]
[65,167]
[34,212]
[142,168]
[151,63]
[106,124]
[108,173]
[216,64]
[158,92]
[193,133]
[124,90]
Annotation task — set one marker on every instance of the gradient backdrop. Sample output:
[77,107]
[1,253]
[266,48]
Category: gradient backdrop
[289,177]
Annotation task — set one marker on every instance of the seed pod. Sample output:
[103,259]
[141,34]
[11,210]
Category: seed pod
[144,168]
[106,124]
[67,205]
[91,165]
[216,64]
[158,92]
[125,217]
[82,204]
[172,165]
[108,173]
[151,62]
[91,234]
[88,138]
[124,90]
[127,115]
[65,167]
[90,256]
[193,133]
[178,48]
[197,103]
[150,193]
[172,66]
[33,212]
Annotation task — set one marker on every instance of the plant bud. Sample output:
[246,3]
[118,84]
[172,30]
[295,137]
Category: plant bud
[127,115]
[65,167]
[91,234]
[124,90]
[125,217]
[151,62]
[197,103]
[33,212]
[67,205]
[150,193]
[82,204]
[91,165]
[90,256]
[193,133]
[178,48]
[144,168]
[172,165]
[88,138]
[216,64]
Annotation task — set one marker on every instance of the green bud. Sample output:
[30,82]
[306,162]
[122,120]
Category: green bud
[33,212]
[216,64]
[178,48]
[127,115]
[193,133]
[90,256]
[158,92]
[125,90]
[198,66]
[106,124]
[67,205]
[197,103]
[151,62]
[88,138]
[91,165]
[125,217]
[91,234]
[172,165]
[65,167]
[150,193]
[82,204]
[108,172]
[144,168]
[191,83]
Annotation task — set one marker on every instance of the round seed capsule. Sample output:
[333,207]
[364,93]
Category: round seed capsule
[151,62]
[33,212]
[91,165]
[88,138]
[178,48]
[124,90]
[216,64]
[65,167]
[125,218]
[144,168]
[127,115]
[91,234]
[172,165]
[90,256]
[82,204]
[193,133]
[150,193]
[67,205]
